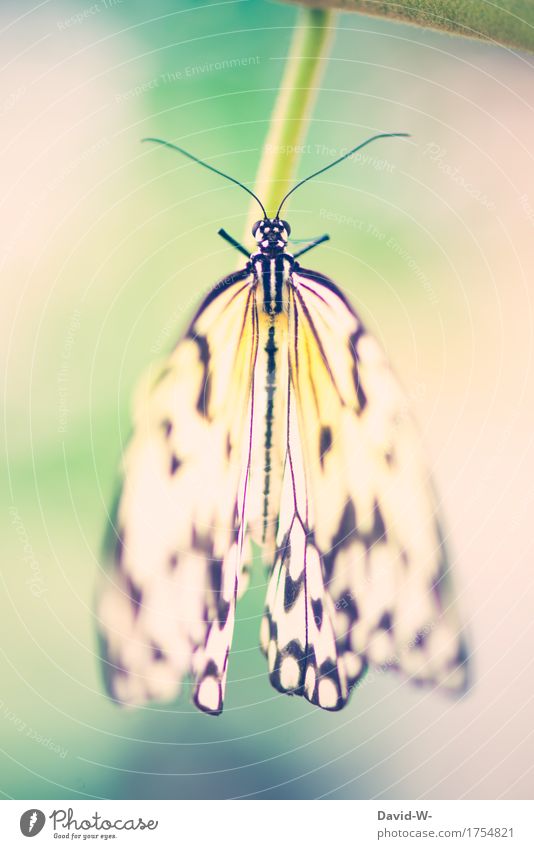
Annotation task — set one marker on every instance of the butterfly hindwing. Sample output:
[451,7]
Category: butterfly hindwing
[167,605]
[298,633]
[360,549]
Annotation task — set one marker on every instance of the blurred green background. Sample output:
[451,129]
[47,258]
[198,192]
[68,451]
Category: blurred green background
[106,247]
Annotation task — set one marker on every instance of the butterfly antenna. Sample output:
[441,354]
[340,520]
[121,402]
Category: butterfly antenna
[209,167]
[337,161]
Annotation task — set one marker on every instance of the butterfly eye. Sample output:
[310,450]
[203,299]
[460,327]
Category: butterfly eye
[255,227]
[286,227]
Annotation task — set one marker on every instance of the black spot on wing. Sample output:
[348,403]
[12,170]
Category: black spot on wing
[201,542]
[211,669]
[222,606]
[353,345]
[205,386]
[360,394]
[175,464]
[284,549]
[291,591]
[223,609]
[347,604]
[379,529]
[420,639]
[325,443]
[135,594]
[385,623]
[215,569]
[317,609]
[272,628]
[157,652]
[355,340]
[343,537]
[347,525]
[461,661]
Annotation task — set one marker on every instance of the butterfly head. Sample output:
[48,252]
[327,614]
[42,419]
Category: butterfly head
[271,235]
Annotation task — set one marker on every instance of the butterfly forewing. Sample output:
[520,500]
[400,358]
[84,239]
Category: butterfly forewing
[167,605]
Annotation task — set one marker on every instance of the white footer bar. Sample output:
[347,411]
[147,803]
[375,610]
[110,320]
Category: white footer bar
[269,824]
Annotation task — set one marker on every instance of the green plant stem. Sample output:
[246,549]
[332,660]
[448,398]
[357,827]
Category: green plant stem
[292,110]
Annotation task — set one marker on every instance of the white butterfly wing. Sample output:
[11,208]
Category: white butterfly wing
[167,606]
[361,575]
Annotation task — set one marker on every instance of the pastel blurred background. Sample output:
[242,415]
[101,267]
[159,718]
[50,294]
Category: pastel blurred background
[106,245]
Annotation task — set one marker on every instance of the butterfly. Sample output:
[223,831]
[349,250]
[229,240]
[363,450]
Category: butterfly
[276,421]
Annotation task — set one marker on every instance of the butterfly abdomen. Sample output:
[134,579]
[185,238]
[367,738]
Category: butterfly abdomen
[270,389]
[268,442]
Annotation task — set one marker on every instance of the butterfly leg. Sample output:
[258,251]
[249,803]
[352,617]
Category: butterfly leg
[313,244]
[235,244]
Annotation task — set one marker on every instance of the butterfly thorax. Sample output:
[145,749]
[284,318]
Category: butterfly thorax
[272,274]
[272,264]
